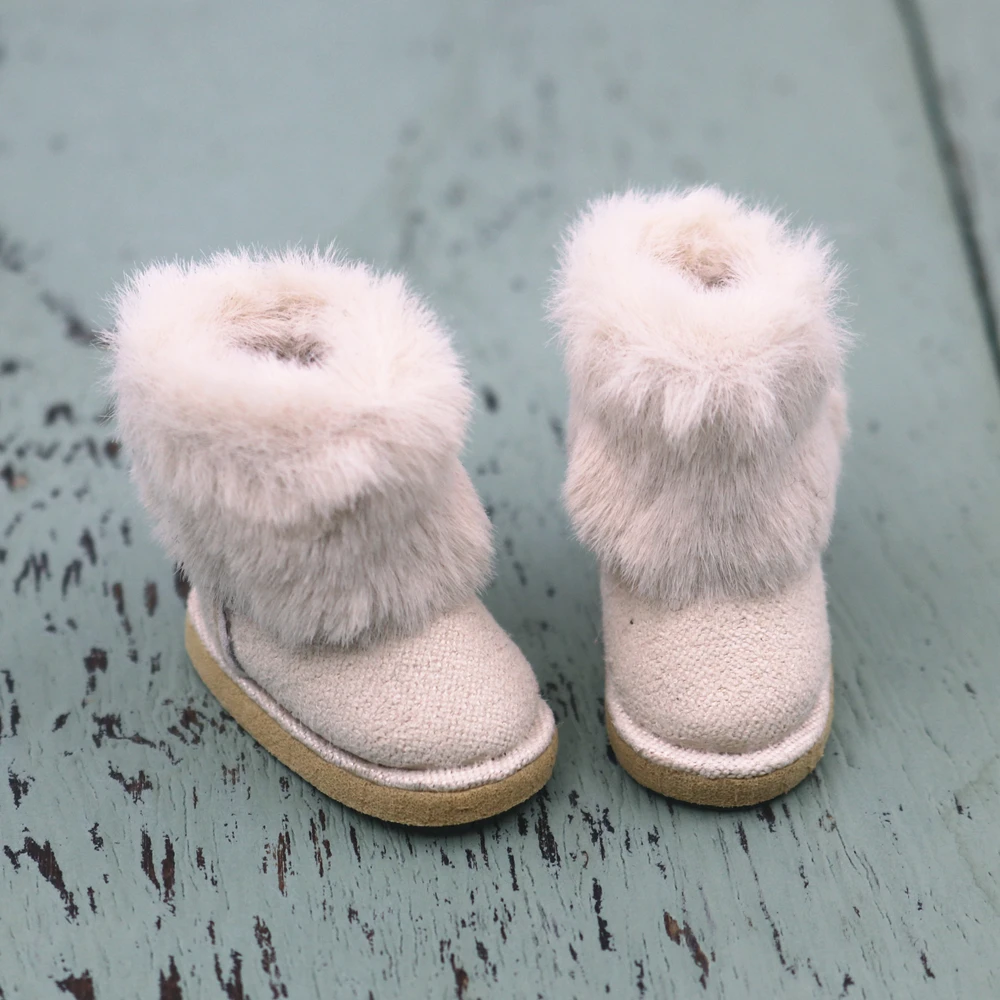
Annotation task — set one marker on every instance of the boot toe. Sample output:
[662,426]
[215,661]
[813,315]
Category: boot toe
[724,677]
[457,694]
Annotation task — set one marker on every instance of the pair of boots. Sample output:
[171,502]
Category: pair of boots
[295,424]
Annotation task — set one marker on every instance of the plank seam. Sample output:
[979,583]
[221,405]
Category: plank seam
[929,84]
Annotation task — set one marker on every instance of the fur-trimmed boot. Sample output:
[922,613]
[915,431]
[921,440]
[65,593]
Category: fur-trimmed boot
[707,415]
[294,424]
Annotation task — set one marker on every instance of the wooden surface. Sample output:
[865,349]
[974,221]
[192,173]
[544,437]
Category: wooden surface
[151,849]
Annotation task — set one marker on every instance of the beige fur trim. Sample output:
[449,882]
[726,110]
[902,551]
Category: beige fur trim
[707,411]
[294,423]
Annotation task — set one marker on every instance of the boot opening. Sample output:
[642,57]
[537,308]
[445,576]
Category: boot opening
[280,329]
[700,250]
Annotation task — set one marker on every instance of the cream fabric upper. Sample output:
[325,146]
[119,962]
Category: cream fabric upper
[455,706]
[723,677]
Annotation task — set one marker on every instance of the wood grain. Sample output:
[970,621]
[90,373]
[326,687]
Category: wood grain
[149,847]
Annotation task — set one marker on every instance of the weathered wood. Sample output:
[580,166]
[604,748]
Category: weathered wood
[152,849]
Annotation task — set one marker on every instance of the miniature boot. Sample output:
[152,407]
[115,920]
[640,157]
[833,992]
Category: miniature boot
[706,420]
[294,424]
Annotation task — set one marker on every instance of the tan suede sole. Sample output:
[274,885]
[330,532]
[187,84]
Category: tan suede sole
[395,805]
[726,793]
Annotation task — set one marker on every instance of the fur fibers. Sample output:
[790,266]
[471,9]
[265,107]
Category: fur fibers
[707,410]
[294,424]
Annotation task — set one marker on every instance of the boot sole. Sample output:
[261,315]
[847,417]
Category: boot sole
[725,793]
[395,805]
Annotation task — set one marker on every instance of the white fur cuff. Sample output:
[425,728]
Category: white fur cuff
[707,411]
[295,424]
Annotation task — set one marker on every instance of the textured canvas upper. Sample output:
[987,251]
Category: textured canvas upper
[458,693]
[454,707]
[725,676]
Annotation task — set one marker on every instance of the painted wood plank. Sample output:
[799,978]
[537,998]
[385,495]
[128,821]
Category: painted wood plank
[152,849]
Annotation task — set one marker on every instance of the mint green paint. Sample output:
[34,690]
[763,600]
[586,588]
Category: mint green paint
[152,849]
